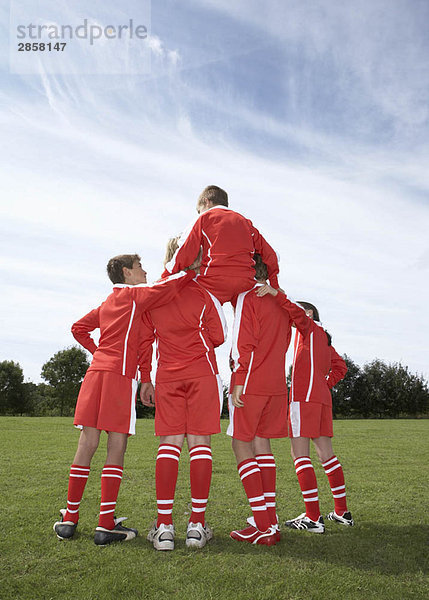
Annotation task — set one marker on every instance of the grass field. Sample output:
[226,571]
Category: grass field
[383,556]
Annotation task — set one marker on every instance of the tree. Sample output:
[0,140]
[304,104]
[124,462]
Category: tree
[12,391]
[390,390]
[64,372]
[347,391]
[40,399]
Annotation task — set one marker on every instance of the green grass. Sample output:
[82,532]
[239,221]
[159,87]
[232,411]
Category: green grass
[383,556]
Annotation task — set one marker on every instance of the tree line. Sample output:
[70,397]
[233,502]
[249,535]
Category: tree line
[376,390]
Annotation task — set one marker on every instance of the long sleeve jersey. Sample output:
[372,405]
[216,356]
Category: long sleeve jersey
[317,367]
[186,333]
[229,241]
[261,337]
[119,319]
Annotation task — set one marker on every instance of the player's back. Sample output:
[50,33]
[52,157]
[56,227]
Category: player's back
[186,331]
[311,366]
[119,317]
[227,243]
[119,321]
[263,328]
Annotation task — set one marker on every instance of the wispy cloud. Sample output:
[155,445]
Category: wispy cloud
[98,166]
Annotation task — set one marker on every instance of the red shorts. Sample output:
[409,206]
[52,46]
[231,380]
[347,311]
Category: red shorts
[310,420]
[107,401]
[225,288]
[262,416]
[189,406]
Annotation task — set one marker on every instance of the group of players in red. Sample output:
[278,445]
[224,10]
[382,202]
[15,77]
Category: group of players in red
[220,258]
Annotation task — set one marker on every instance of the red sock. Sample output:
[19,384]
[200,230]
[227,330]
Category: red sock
[201,476]
[167,468]
[308,484]
[334,471]
[267,465]
[77,481]
[111,478]
[250,475]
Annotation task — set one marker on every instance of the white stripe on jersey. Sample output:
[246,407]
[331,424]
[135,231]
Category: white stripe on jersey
[182,239]
[295,351]
[310,385]
[236,328]
[220,313]
[208,251]
[124,362]
[248,372]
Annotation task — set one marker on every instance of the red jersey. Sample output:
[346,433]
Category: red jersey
[229,241]
[119,321]
[186,333]
[261,337]
[317,367]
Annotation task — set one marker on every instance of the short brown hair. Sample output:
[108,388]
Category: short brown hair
[214,194]
[116,265]
[260,268]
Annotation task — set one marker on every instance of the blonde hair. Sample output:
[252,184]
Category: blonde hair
[172,245]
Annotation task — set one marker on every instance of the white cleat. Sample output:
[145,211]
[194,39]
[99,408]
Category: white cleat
[345,519]
[162,537]
[198,535]
[304,523]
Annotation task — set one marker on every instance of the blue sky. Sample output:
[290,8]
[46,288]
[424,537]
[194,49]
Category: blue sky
[313,115]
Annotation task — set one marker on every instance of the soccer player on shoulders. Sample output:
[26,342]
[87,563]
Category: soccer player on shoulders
[229,242]
[106,399]
[258,403]
[188,401]
[316,369]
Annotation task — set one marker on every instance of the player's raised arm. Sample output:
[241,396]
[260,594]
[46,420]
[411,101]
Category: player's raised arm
[81,329]
[338,368]
[161,292]
[297,314]
[268,254]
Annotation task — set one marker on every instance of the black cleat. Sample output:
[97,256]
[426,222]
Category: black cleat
[345,519]
[104,537]
[64,529]
[306,524]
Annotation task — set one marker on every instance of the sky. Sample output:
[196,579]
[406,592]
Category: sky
[313,115]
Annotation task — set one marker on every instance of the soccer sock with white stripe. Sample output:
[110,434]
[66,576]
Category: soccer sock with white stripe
[77,481]
[251,479]
[166,470]
[201,476]
[111,478]
[334,472]
[308,484]
[267,465]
